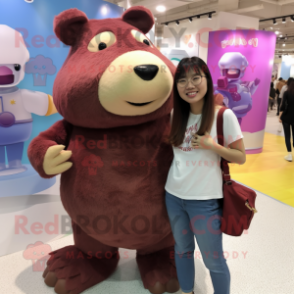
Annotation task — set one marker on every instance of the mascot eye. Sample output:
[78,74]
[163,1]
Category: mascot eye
[102,41]
[141,38]
[102,46]
[17,67]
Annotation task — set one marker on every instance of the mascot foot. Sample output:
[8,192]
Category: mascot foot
[172,286]
[71,271]
[158,271]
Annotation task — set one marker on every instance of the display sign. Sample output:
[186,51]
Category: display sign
[241,63]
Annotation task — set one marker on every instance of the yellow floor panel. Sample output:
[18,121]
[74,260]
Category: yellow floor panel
[268,172]
[289,201]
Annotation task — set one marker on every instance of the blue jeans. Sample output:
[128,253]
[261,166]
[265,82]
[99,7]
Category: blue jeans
[202,219]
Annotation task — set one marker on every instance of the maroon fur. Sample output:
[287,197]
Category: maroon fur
[125,180]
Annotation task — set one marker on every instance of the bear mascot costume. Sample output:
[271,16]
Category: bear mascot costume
[114,92]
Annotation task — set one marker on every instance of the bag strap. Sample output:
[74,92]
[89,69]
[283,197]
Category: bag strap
[220,136]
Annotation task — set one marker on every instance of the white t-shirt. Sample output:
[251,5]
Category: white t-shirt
[195,174]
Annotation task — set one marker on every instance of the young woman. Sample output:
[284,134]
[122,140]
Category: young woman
[287,116]
[194,185]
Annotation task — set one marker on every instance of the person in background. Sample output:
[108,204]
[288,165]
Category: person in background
[287,117]
[274,78]
[284,88]
[272,95]
[280,85]
[275,87]
[275,81]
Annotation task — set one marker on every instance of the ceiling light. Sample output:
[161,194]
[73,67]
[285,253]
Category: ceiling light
[284,20]
[281,36]
[274,21]
[284,44]
[177,22]
[190,19]
[104,10]
[29,1]
[276,32]
[292,18]
[161,8]
[209,16]
[286,37]
[166,24]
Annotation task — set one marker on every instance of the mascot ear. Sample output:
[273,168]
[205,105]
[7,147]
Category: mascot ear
[68,25]
[139,17]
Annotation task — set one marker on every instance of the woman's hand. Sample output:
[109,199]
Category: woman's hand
[234,154]
[202,142]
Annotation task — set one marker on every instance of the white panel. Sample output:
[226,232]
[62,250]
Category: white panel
[292,71]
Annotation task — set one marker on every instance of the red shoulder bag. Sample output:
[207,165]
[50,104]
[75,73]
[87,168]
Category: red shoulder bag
[239,201]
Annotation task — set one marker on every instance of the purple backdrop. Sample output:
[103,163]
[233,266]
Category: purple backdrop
[241,63]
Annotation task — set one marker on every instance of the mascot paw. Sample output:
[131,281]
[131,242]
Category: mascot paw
[55,160]
[71,271]
[171,286]
[158,272]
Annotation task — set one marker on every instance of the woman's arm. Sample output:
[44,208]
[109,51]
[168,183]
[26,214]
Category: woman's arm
[235,154]
[283,105]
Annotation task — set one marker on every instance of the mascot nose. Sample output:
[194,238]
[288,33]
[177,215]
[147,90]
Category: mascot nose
[146,72]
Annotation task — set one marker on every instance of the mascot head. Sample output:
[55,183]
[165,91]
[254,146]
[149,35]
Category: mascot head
[233,65]
[113,76]
[13,57]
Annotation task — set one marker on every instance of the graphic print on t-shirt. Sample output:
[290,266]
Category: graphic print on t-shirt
[186,146]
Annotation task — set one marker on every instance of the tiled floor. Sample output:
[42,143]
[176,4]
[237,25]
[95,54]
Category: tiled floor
[263,261]
[272,124]
[260,262]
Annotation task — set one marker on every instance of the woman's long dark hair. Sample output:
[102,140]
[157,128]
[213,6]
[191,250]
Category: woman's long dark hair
[290,86]
[182,108]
